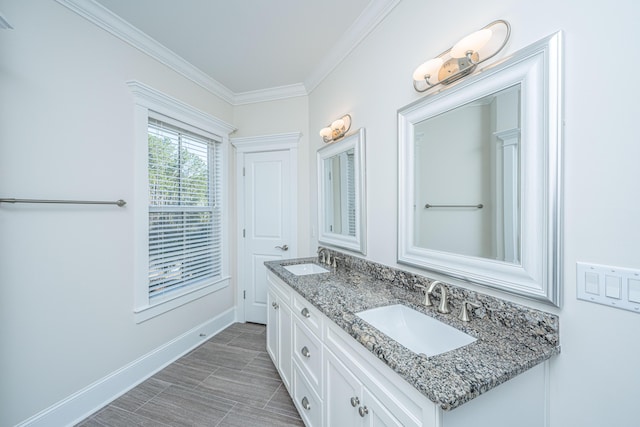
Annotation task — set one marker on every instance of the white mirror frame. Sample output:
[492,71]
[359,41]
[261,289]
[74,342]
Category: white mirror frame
[538,69]
[357,243]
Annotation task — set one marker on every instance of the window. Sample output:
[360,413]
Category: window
[184,210]
[180,205]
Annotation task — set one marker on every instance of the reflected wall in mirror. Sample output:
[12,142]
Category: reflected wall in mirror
[479,181]
[341,193]
[474,148]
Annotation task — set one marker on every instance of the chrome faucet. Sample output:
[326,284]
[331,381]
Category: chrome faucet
[325,260]
[444,303]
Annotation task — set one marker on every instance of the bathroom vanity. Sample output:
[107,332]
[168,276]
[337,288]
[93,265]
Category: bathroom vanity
[342,371]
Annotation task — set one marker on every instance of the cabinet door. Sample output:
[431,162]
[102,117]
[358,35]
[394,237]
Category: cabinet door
[343,394]
[272,327]
[375,414]
[285,324]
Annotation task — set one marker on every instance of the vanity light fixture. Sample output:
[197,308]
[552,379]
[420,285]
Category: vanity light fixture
[461,59]
[336,130]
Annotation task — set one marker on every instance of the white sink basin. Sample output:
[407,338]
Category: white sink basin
[304,269]
[414,330]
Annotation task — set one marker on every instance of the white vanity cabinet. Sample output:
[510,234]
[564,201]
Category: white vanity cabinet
[279,328]
[308,355]
[349,402]
[367,394]
[334,381]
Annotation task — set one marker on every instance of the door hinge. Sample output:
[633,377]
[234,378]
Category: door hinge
[243,171]
[244,232]
[244,294]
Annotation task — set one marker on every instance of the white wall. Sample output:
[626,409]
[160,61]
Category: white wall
[594,381]
[66,272]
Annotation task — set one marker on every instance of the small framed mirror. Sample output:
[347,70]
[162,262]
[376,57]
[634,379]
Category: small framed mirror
[480,178]
[341,193]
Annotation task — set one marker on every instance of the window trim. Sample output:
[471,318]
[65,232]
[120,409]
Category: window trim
[148,101]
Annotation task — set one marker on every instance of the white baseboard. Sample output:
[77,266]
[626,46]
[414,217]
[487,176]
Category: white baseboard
[83,403]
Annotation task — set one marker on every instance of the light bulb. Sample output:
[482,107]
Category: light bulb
[337,124]
[326,132]
[431,68]
[473,42]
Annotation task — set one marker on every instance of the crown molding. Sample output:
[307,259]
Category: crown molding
[108,21]
[370,17]
[271,94]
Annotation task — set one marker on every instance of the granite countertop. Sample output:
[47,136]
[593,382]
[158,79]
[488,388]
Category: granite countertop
[510,338]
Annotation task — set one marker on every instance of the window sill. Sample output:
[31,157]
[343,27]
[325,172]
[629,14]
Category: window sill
[145,313]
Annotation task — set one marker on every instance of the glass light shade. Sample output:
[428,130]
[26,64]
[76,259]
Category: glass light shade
[473,42]
[326,132]
[431,67]
[337,124]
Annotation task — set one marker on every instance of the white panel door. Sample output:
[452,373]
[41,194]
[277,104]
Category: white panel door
[267,231]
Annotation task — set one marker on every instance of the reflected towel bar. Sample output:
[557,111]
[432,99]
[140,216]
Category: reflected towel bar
[479,206]
[119,203]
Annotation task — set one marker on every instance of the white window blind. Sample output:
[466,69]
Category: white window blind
[351,193]
[185,222]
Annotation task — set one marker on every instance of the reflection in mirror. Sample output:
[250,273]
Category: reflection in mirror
[475,149]
[480,176]
[341,193]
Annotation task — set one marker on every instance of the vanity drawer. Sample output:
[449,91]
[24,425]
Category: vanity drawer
[307,351]
[306,399]
[307,314]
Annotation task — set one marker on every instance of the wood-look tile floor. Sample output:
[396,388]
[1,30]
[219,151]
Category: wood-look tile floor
[227,381]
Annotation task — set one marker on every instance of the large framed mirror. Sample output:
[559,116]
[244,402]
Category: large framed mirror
[480,176]
[341,193]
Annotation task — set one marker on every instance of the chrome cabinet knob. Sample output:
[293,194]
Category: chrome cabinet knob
[355,401]
[305,352]
[305,403]
[363,411]
[305,312]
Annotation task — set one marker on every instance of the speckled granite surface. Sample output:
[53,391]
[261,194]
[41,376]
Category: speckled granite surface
[511,338]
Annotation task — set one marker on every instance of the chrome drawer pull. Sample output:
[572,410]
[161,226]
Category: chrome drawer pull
[355,401]
[305,312]
[363,410]
[305,403]
[305,351]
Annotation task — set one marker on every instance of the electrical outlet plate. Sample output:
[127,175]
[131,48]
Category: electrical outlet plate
[611,286]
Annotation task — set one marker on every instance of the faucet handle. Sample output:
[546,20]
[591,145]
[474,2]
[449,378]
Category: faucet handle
[464,312]
[335,259]
[427,294]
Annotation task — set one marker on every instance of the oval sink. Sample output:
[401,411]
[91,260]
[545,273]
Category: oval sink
[304,269]
[416,331]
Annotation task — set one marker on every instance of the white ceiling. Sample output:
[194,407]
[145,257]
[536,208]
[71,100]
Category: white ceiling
[256,45]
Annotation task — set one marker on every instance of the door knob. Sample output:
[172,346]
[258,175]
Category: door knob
[283,247]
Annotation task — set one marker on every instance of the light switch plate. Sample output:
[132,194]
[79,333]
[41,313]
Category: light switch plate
[612,286]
